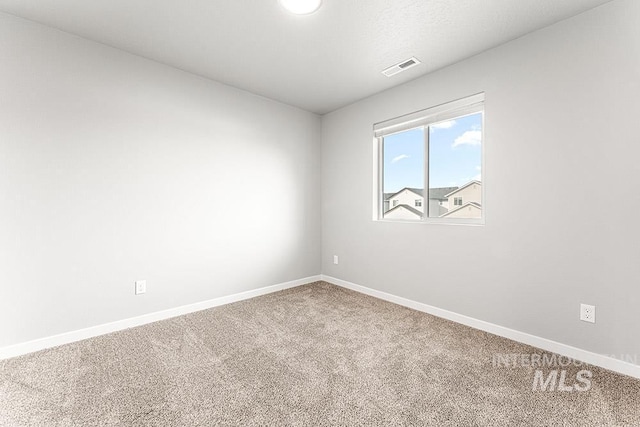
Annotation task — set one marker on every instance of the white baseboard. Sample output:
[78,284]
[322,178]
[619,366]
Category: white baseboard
[585,356]
[73,336]
[595,359]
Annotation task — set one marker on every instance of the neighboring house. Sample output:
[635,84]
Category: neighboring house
[438,202]
[468,210]
[403,212]
[466,201]
[411,197]
[408,203]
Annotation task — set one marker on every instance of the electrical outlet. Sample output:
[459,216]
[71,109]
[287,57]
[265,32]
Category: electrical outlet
[141,287]
[335,259]
[588,313]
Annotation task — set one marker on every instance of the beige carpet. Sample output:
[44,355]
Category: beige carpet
[314,355]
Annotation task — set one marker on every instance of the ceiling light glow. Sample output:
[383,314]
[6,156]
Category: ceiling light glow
[301,7]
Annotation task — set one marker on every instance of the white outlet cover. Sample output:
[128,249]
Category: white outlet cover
[141,287]
[335,259]
[588,313]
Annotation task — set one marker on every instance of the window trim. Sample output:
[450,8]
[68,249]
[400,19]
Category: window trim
[473,104]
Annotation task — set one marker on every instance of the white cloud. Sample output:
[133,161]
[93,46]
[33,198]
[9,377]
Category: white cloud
[470,137]
[398,158]
[443,125]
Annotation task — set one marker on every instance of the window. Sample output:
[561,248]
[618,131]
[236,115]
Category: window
[440,149]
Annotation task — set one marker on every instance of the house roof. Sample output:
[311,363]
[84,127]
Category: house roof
[434,193]
[441,192]
[417,191]
[474,204]
[407,207]
[463,187]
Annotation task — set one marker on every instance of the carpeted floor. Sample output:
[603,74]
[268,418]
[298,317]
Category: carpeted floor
[315,355]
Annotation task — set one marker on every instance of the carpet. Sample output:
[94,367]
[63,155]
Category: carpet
[314,355]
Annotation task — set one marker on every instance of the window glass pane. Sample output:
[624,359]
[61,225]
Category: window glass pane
[403,175]
[455,161]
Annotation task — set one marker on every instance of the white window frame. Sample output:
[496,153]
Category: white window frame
[462,107]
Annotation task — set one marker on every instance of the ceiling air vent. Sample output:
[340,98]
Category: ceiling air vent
[404,65]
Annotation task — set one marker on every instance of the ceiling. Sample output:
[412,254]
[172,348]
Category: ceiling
[317,62]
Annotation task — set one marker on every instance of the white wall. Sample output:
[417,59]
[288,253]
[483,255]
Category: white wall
[561,129]
[114,168]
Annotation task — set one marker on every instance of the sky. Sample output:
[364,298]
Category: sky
[455,155]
